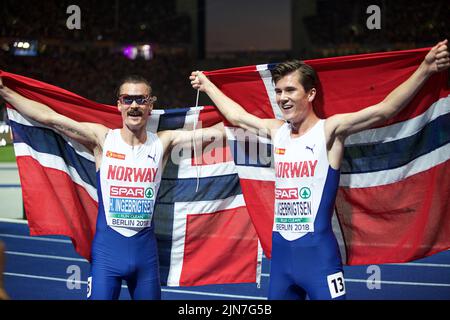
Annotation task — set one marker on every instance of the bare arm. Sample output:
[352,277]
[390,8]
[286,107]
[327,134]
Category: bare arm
[231,110]
[89,134]
[186,138]
[345,124]
[201,136]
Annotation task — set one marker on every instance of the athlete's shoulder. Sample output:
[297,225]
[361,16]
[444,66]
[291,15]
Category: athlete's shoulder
[162,135]
[283,129]
[165,138]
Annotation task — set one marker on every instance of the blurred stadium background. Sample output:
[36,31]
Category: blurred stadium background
[165,40]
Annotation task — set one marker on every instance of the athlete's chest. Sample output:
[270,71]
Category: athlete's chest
[299,158]
[132,164]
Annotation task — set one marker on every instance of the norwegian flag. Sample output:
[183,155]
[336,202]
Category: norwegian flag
[204,232]
[392,204]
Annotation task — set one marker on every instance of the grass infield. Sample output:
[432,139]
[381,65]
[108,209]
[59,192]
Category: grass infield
[7,154]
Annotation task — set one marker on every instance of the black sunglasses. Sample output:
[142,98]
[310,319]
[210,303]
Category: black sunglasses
[140,99]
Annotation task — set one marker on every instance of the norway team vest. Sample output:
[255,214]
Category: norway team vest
[301,169]
[130,177]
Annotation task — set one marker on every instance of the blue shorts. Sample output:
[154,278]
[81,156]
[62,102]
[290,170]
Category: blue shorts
[116,258]
[309,266]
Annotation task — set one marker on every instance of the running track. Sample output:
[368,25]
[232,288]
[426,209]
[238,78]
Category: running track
[37,268]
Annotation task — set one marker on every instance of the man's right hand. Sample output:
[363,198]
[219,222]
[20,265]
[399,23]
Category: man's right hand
[198,80]
[232,111]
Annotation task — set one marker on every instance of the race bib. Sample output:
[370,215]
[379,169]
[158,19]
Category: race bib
[294,210]
[336,284]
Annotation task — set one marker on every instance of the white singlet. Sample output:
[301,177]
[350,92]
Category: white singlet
[301,169]
[129,181]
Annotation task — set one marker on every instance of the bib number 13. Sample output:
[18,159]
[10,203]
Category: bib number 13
[336,284]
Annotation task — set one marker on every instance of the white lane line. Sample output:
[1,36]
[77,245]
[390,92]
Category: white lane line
[9,220]
[419,264]
[212,294]
[402,283]
[34,238]
[45,256]
[23,275]
[406,283]
[263,275]
[215,294]
[410,264]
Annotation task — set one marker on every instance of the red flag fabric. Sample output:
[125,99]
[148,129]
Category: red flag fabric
[198,229]
[392,203]
[391,206]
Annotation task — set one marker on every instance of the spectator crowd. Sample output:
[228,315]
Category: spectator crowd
[90,61]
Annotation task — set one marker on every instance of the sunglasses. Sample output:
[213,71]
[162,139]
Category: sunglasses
[140,99]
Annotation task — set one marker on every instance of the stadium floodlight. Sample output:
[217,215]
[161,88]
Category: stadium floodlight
[138,51]
[130,52]
[146,52]
[24,48]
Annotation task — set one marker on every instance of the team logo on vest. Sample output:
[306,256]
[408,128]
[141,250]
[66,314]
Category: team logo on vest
[280,151]
[311,148]
[305,193]
[152,157]
[115,155]
[149,193]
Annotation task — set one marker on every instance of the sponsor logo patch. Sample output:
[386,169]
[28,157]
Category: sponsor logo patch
[127,192]
[286,193]
[115,155]
[305,193]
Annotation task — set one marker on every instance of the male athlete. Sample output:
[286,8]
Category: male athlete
[128,161]
[305,253]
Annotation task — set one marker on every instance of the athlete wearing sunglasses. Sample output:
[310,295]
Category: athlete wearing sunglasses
[126,99]
[129,163]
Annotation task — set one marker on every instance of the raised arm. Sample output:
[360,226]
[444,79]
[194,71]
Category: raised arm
[188,139]
[231,110]
[89,134]
[343,125]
